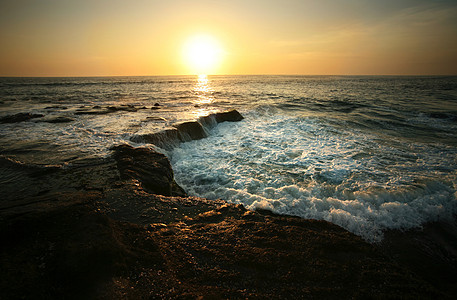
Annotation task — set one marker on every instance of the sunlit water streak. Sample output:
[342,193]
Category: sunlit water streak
[367,153]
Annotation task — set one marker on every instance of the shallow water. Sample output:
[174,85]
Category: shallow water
[366,153]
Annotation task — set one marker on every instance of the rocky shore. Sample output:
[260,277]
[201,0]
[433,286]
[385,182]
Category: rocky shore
[122,228]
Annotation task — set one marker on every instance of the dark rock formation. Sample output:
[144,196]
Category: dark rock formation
[130,108]
[19,117]
[56,107]
[193,249]
[59,120]
[156,118]
[97,232]
[98,110]
[165,139]
[228,116]
[188,131]
[92,112]
[430,251]
[150,168]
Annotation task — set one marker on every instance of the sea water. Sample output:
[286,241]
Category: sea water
[367,153]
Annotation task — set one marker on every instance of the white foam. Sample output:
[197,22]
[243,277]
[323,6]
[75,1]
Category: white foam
[299,166]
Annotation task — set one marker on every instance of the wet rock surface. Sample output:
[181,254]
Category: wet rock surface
[101,230]
[188,248]
[98,110]
[430,251]
[59,120]
[227,116]
[165,139]
[186,131]
[19,117]
[151,168]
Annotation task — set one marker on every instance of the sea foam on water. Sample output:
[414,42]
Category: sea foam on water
[303,166]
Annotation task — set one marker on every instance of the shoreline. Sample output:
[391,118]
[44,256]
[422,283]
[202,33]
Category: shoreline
[107,230]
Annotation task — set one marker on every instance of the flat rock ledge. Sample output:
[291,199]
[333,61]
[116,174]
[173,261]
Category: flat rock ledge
[187,131]
[107,230]
[151,168]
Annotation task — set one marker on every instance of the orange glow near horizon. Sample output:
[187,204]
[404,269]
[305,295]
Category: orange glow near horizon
[180,37]
[202,54]
[203,90]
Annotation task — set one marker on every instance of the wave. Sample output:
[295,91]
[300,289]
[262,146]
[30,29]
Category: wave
[304,167]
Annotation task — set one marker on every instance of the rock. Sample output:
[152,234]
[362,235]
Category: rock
[92,112]
[97,110]
[190,131]
[59,120]
[19,117]
[122,242]
[429,251]
[156,226]
[130,108]
[186,131]
[160,119]
[73,250]
[151,168]
[165,139]
[56,107]
[228,116]
[69,251]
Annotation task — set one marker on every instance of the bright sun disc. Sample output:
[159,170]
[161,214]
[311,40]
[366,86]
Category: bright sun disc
[202,54]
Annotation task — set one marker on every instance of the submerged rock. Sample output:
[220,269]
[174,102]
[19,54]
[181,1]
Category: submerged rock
[150,168]
[92,112]
[98,110]
[56,107]
[130,108]
[59,120]
[19,117]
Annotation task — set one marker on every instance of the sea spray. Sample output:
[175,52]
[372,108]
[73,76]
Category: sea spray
[302,166]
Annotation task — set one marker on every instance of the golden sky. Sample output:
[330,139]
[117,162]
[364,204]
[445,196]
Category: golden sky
[139,37]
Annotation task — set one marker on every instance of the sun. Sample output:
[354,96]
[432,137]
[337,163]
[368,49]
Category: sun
[202,54]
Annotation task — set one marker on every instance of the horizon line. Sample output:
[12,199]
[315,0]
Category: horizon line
[216,75]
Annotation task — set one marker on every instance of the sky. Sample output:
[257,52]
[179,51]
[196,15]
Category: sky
[139,37]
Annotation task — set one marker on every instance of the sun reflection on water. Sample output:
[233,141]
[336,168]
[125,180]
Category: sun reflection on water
[204,97]
[203,91]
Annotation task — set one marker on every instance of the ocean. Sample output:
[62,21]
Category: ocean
[368,153]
